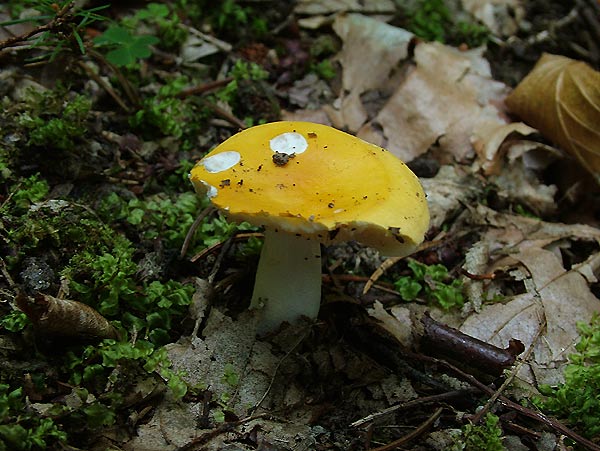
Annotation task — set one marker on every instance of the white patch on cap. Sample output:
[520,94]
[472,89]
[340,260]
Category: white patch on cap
[221,161]
[289,143]
[211,191]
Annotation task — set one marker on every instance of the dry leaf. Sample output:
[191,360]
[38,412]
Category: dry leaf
[432,105]
[448,192]
[502,17]
[487,141]
[561,98]
[555,298]
[545,316]
[65,318]
[371,50]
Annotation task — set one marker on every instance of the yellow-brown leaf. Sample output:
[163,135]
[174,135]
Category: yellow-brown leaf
[561,98]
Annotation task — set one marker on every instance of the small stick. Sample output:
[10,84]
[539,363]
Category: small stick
[409,404]
[469,350]
[204,88]
[11,42]
[414,434]
[479,415]
[538,416]
[188,238]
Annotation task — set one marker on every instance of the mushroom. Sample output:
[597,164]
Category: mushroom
[309,184]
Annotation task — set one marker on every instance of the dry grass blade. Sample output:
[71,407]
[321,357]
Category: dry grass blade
[561,98]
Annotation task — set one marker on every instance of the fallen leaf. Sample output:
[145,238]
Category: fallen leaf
[545,316]
[65,318]
[561,98]
[502,17]
[336,6]
[432,105]
[487,141]
[371,50]
[396,321]
[448,192]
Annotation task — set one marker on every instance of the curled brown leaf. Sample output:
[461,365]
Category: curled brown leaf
[561,98]
[65,318]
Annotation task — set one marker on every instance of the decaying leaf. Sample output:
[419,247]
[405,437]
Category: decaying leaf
[561,98]
[371,51]
[432,105]
[502,17]
[335,6]
[64,318]
[488,139]
[545,315]
[448,192]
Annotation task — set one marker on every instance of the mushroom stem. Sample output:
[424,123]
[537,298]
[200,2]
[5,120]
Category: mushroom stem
[288,279]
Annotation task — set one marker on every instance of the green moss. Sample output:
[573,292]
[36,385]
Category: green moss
[578,399]
[487,437]
[169,217]
[432,283]
[22,429]
[167,115]
[432,21]
[50,121]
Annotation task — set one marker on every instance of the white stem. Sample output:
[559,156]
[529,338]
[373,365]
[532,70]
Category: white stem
[288,279]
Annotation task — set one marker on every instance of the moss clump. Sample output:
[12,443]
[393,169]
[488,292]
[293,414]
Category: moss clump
[487,436]
[578,399]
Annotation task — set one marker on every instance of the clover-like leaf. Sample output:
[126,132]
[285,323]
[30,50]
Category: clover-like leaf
[561,98]
[127,48]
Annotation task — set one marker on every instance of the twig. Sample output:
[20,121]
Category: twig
[224,114]
[204,88]
[414,434]
[54,23]
[388,263]
[538,416]
[415,402]
[214,247]
[188,238]
[111,92]
[479,415]
[129,91]
[222,429]
[267,391]
[448,341]
[5,273]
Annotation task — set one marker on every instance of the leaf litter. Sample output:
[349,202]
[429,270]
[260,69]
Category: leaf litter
[460,114]
[272,393]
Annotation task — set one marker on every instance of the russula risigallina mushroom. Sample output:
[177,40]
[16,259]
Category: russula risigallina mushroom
[309,184]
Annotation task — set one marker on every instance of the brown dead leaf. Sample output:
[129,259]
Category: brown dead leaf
[65,318]
[432,105]
[545,316]
[502,17]
[371,50]
[561,98]
[488,138]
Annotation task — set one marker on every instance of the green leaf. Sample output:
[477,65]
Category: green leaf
[114,35]
[127,47]
[408,288]
[99,415]
[153,11]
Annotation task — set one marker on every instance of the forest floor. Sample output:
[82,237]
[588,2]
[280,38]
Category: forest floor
[124,320]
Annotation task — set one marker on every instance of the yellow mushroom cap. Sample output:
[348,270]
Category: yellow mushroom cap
[317,181]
